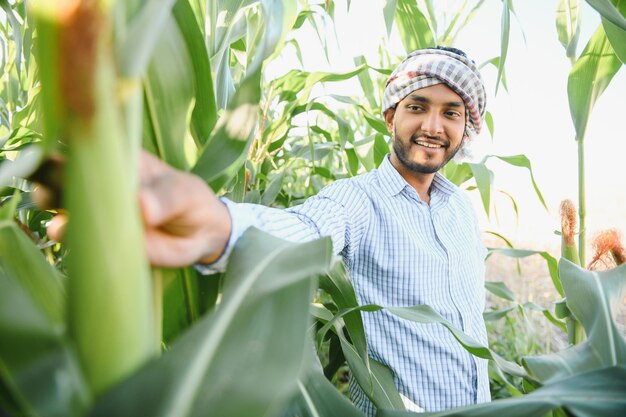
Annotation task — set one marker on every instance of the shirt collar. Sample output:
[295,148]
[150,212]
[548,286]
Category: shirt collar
[393,183]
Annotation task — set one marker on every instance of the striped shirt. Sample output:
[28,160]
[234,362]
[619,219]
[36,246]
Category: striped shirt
[400,251]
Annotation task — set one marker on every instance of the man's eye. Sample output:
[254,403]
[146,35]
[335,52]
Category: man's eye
[414,107]
[453,114]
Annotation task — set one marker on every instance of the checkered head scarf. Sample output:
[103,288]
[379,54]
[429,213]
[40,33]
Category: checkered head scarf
[427,67]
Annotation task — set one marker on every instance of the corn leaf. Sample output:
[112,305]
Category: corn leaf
[34,348]
[254,341]
[226,150]
[337,284]
[25,164]
[228,145]
[389,12]
[522,253]
[505,22]
[609,11]
[615,33]
[17,34]
[415,31]
[596,393]
[204,115]
[366,83]
[20,258]
[317,397]
[568,25]
[136,41]
[169,90]
[187,296]
[376,382]
[523,162]
[484,179]
[500,289]
[593,298]
[34,352]
[589,77]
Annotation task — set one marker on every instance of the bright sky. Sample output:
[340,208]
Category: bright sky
[532,118]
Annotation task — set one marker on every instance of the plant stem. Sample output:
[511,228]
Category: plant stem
[582,210]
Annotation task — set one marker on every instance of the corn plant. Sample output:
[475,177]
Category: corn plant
[591,74]
[184,79]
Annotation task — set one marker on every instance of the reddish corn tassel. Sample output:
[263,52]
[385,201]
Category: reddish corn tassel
[608,250]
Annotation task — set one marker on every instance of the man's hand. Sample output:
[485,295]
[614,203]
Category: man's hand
[184,221]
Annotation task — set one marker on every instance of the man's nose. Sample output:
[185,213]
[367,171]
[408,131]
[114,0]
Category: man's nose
[433,124]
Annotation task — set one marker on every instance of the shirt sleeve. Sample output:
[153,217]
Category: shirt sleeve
[338,211]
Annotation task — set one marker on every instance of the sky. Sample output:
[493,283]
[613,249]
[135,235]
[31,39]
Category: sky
[531,118]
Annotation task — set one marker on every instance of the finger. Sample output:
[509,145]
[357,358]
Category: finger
[151,167]
[174,196]
[56,227]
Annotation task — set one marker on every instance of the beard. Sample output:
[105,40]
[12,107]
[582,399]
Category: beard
[402,149]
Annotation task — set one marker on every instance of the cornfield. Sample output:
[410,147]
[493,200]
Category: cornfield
[89,328]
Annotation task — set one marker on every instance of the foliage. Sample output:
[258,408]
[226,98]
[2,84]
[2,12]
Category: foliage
[185,79]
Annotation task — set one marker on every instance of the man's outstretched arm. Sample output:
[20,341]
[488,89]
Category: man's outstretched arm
[183,219]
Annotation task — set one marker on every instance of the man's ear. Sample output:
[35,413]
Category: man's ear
[389,115]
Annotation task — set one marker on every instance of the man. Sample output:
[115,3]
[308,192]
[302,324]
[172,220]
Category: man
[406,234]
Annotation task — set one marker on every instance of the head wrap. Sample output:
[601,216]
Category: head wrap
[427,67]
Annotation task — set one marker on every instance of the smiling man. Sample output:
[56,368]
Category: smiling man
[407,235]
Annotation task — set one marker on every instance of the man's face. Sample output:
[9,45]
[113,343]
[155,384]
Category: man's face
[427,128]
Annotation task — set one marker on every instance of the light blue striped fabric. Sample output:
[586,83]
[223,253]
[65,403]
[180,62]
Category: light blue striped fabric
[400,251]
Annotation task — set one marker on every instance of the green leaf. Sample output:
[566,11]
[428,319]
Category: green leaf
[489,121]
[522,253]
[523,162]
[496,63]
[484,179]
[35,352]
[204,114]
[609,11]
[20,258]
[389,12]
[169,91]
[589,77]
[254,341]
[593,298]
[17,34]
[457,173]
[366,82]
[34,348]
[426,314]
[500,289]
[616,34]
[9,207]
[415,32]
[568,25]
[597,393]
[186,297]
[337,284]
[227,148]
[317,397]
[547,314]
[24,165]
[381,149]
[376,382]
[272,190]
[135,44]
[505,22]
